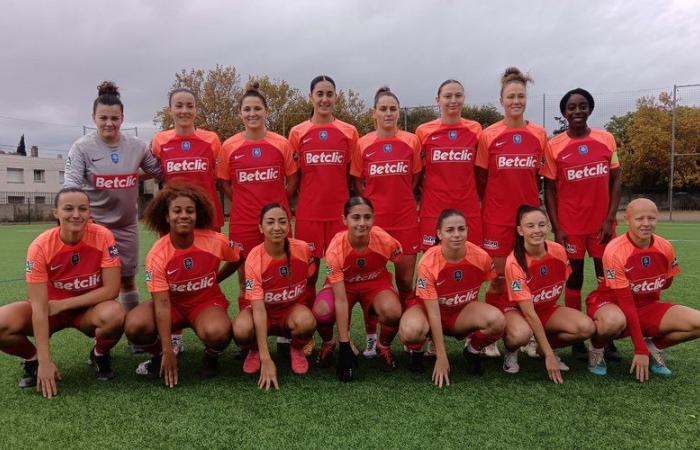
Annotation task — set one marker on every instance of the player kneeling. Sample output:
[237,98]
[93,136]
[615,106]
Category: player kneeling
[277,273]
[449,278]
[181,270]
[536,271]
[73,275]
[638,266]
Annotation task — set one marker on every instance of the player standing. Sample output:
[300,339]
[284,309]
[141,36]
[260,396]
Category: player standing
[278,273]
[450,276]
[638,266]
[72,274]
[508,160]
[106,163]
[582,194]
[181,270]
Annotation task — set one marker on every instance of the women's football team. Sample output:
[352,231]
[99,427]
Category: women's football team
[479,221]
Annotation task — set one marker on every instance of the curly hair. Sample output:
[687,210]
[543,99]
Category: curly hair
[155,216]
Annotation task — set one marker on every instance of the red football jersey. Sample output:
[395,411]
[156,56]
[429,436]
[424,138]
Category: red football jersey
[278,282]
[323,154]
[193,159]
[453,284]
[189,275]
[544,282]
[257,171]
[581,168]
[71,270]
[513,157]
[644,270]
[449,153]
[344,263]
[388,167]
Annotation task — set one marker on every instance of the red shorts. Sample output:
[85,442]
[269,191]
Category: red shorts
[429,224]
[277,320]
[66,319]
[317,233]
[448,316]
[650,314]
[366,292]
[245,236]
[409,238]
[498,240]
[543,312]
[577,245]
[183,316]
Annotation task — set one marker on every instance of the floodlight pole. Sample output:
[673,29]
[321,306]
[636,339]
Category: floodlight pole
[673,155]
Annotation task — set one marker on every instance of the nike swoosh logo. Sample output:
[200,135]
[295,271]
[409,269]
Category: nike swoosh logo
[345,268]
[267,279]
[628,269]
[56,267]
[170,272]
[238,156]
[369,154]
[434,138]
[500,144]
[565,156]
[167,149]
[440,282]
[307,140]
[96,159]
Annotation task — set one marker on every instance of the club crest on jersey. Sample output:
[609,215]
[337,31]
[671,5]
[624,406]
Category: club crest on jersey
[518,139]
[388,148]
[323,135]
[115,157]
[361,262]
[452,135]
[75,259]
[257,152]
[458,275]
[284,271]
[188,263]
[28,266]
[646,261]
[113,251]
[515,286]
[583,149]
[186,145]
[544,271]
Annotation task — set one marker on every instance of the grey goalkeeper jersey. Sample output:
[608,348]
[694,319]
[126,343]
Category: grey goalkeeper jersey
[109,175]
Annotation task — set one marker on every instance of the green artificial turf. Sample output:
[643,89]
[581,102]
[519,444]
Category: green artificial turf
[377,411]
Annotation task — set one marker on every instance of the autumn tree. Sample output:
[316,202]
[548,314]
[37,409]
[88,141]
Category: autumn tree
[350,108]
[286,105]
[412,117]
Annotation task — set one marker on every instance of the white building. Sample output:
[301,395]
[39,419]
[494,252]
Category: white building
[30,178]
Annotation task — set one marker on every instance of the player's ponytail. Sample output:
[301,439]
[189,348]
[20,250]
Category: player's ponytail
[107,94]
[446,213]
[252,89]
[383,92]
[519,243]
[514,75]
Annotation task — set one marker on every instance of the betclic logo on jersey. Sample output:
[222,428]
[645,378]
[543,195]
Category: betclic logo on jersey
[194,284]
[587,171]
[387,168]
[113,182]
[79,282]
[549,293]
[516,162]
[648,285]
[287,294]
[324,157]
[184,165]
[459,298]
[258,175]
[452,155]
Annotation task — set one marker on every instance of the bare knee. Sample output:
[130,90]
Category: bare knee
[137,327]
[586,329]
[516,335]
[495,323]
[303,325]
[389,314]
[215,335]
[110,317]
[243,329]
[609,325]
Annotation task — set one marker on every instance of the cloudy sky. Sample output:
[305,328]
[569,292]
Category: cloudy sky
[55,53]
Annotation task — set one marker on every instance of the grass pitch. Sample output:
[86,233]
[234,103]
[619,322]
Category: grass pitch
[377,411]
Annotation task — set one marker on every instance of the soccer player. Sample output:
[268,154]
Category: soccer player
[387,171]
[106,163]
[278,273]
[181,270]
[582,194]
[189,153]
[450,276]
[449,151]
[536,271]
[507,163]
[356,271]
[256,167]
[73,274]
[638,266]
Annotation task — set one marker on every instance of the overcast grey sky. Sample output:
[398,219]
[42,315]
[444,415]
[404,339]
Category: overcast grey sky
[54,53]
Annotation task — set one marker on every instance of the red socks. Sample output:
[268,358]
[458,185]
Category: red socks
[480,340]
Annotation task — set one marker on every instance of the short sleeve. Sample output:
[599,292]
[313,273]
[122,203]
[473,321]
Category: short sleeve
[155,272]
[222,169]
[673,266]
[353,146]
[334,265]
[35,266]
[614,270]
[216,149]
[516,283]
[356,164]
[482,152]
[229,250]
[417,158]
[75,168]
[549,170]
[488,267]
[253,280]
[110,253]
[290,165]
[150,164]
[425,286]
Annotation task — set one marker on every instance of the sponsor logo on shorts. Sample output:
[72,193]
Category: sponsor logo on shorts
[587,171]
[362,277]
[648,285]
[194,284]
[285,294]
[109,182]
[75,259]
[321,157]
[459,298]
[79,283]
[516,286]
[115,157]
[182,165]
[491,244]
[188,263]
[388,168]
[550,293]
[571,248]
[428,239]
[28,266]
[113,251]
[458,155]
[516,162]
[258,175]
